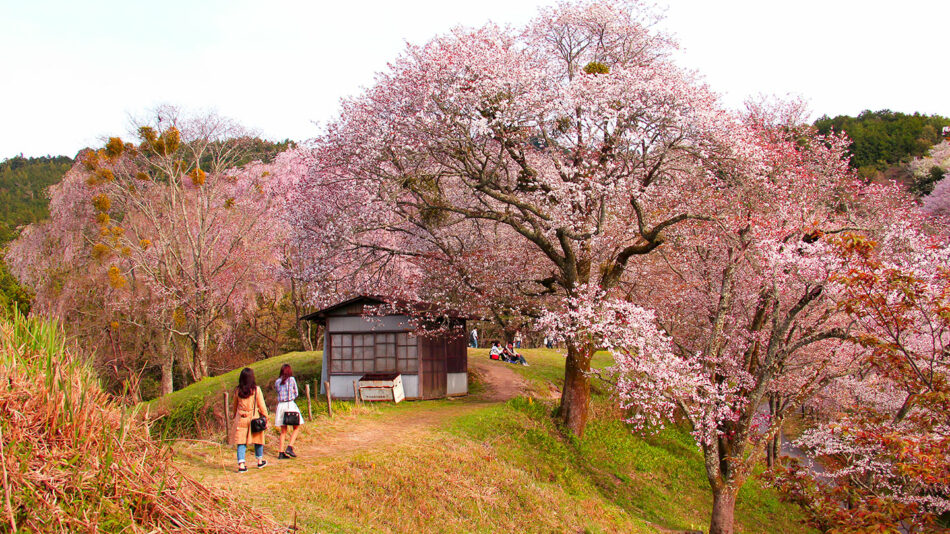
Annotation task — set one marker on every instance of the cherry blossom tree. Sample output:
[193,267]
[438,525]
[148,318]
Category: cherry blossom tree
[57,259]
[937,203]
[172,238]
[885,437]
[575,136]
[178,211]
[745,302]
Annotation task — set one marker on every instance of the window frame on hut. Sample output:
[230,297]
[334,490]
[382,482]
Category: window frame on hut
[432,359]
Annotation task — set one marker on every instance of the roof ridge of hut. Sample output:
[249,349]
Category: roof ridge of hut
[415,308]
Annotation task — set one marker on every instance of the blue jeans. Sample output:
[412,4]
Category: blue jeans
[242,450]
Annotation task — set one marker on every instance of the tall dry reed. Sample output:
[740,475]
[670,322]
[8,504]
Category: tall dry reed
[72,459]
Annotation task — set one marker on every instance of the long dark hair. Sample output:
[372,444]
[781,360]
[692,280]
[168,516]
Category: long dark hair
[247,385]
[285,373]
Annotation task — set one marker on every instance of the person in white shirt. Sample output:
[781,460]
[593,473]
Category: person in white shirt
[496,351]
[286,387]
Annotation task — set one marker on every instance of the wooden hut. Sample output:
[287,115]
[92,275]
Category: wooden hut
[433,363]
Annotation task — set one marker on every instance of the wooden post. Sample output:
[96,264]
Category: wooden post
[227,414]
[309,405]
[329,399]
[148,429]
[356,393]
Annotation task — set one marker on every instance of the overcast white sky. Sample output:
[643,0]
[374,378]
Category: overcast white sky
[74,71]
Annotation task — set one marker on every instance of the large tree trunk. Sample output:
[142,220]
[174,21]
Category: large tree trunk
[575,396]
[168,373]
[166,362]
[304,336]
[772,450]
[723,511]
[774,446]
[303,327]
[199,366]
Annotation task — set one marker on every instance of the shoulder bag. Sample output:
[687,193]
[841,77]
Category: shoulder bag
[258,424]
[291,419]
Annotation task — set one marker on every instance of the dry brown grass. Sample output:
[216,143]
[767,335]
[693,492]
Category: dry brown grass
[431,482]
[74,460]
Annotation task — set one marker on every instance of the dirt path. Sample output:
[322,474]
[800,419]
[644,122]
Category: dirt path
[501,382]
[357,432]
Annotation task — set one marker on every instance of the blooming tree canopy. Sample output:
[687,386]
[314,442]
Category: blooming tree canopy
[745,301]
[180,228]
[886,439]
[574,139]
[937,203]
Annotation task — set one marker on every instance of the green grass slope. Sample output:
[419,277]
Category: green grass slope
[198,408]
[471,466]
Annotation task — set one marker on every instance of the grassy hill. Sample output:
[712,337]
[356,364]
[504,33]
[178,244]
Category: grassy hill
[470,465]
[198,408]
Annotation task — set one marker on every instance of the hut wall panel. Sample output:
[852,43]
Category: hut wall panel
[456,354]
[410,386]
[341,386]
[358,323]
[456,384]
[432,354]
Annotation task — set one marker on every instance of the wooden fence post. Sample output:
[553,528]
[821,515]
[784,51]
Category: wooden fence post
[309,407]
[329,399]
[356,393]
[148,426]
[227,414]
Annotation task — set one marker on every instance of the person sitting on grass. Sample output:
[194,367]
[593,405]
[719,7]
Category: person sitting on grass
[496,351]
[511,355]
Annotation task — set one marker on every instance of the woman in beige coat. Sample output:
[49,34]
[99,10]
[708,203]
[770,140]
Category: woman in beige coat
[248,404]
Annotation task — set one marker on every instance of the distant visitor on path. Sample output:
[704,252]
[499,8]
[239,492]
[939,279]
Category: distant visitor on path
[248,406]
[518,339]
[288,415]
[473,339]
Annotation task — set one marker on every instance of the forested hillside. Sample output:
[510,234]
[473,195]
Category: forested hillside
[22,185]
[23,182]
[885,142]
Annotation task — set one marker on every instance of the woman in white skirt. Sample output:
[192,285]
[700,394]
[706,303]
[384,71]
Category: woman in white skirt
[287,409]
